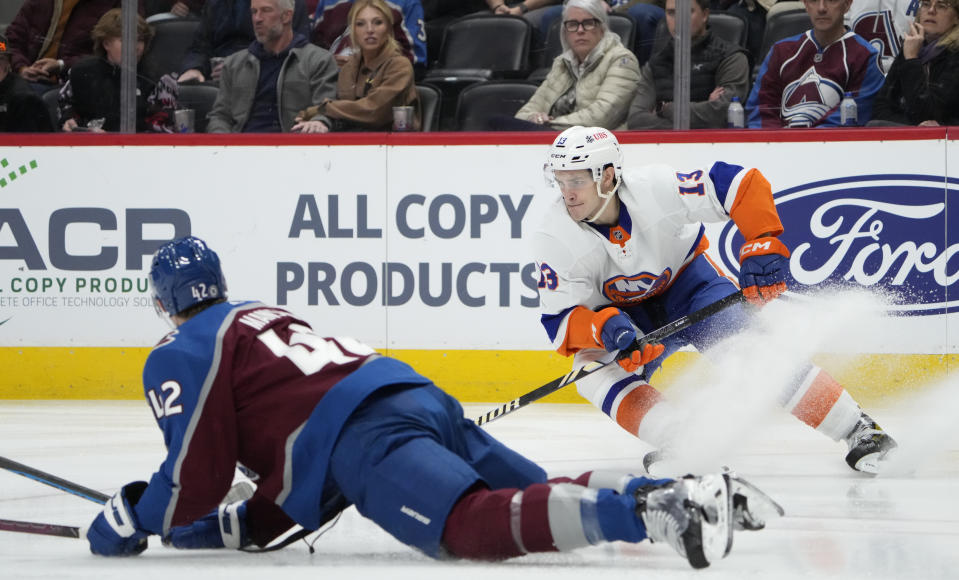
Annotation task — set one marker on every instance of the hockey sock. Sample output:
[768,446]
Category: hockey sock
[822,403]
[495,524]
[641,410]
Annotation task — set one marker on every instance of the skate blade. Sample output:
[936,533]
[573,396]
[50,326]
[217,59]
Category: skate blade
[875,463]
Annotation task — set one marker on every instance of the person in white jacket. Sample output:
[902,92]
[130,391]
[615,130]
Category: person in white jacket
[592,82]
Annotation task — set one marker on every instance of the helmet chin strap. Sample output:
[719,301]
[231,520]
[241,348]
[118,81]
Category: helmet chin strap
[607,196]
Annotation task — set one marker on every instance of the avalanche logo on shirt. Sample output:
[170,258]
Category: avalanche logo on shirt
[808,99]
[625,289]
[877,28]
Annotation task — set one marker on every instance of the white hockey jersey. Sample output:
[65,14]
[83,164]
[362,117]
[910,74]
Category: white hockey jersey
[660,231]
[883,23]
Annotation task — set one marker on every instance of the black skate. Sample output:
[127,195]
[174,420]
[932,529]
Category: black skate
[869,445]
[692,514]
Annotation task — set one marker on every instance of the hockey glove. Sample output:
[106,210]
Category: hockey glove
[115,531]
[614,331]
[764,264]
[223,528]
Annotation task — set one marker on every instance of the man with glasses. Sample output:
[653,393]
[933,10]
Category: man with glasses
[804,77]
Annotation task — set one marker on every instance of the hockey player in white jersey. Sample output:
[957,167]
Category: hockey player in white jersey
[622,251]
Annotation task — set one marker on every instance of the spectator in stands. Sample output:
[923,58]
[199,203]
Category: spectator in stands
[375,78]
[21,110]
[883,23]
[226,28]
[591,83]
[48,36]
[263,88]
[331,30]
[922,87]
[90,99]
[180,8]
[719,72]
[542,13]
[804,77]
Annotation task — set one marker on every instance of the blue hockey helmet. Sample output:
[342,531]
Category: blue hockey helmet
[186,272]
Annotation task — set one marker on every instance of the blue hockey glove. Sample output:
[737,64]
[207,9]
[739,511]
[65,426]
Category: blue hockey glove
[614,331]
[764,264]
[223,528]
[115,531]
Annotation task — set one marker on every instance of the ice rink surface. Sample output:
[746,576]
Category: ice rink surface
[838,524]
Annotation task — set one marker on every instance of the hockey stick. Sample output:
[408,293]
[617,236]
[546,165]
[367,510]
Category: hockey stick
[590,368]
[35,528]
[53,481]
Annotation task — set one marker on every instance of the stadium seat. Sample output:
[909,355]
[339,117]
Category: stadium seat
[483,47]
[730,27]
[624,26]
[780,25]
[200,98]
[430,98]
[477,48]
[171,41]
[480,102]
[8,10]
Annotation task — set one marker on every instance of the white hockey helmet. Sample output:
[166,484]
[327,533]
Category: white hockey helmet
[591,148]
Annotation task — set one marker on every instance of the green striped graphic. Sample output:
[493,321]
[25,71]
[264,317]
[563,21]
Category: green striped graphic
[14,173]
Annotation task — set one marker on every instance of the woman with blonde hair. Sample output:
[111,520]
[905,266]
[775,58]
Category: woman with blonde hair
[376,78]
[922,86]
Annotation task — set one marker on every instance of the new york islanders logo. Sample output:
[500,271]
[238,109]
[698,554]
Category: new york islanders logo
[625,289]
[808,99]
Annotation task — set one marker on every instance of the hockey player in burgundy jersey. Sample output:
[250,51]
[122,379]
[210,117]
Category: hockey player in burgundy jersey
[621,253]
[804,77]
[327,422]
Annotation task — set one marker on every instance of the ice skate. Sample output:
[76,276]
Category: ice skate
[692,514]
[660,463]
[752,508]
[869,445]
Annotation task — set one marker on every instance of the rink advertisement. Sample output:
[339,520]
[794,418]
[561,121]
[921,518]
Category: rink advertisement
[417,249]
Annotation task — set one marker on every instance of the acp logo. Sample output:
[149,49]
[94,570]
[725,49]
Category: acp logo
[881,232]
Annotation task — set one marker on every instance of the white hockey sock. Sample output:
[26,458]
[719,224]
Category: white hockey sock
[822,403]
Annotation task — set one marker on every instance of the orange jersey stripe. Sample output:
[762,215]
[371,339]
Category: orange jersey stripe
[818,400]
[579,331]
[754,210]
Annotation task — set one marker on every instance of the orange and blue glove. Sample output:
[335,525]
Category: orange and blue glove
[614,331]
[763,266]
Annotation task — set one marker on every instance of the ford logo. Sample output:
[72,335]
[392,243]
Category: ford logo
[881,232]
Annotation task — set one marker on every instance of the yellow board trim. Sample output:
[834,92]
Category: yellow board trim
[469,375]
